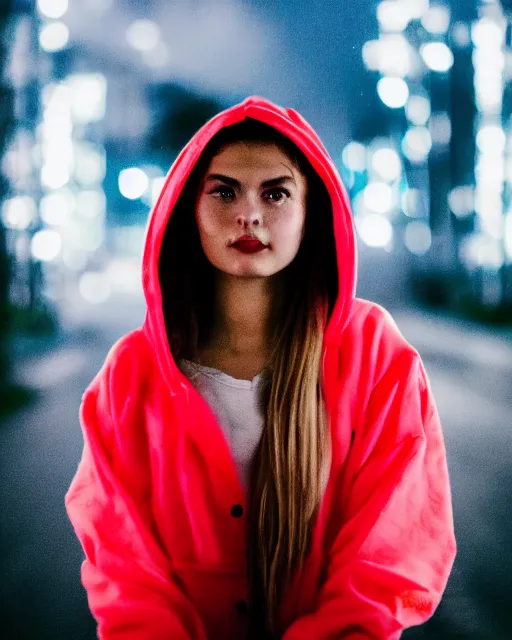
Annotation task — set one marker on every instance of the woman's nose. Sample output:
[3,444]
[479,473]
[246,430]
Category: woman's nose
[249,219]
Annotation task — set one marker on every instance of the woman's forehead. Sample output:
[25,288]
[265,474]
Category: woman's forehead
[247,158]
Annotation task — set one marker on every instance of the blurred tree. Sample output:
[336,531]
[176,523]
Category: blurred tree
[178,113]
[6,124]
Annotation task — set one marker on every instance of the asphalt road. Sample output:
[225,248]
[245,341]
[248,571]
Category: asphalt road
[471,374]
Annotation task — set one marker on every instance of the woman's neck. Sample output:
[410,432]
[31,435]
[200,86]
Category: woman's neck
[243,316]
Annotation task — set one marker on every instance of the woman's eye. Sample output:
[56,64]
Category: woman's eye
[276,195]
[225,193]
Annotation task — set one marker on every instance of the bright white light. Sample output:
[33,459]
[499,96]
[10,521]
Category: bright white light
[437,19]
[53,8]
[143,35]
[489,89]
[46,245]
[57,150]
[417,8]
[91,203]
[393,92]
[417,144]
[417,110]
[394,55]
[74,259]
[57,207]
[479,250]
[441,128]
[89,164]
[437,56]
[462,200]
[92,236]
[375,230]
[378,197]
[417,237]
[124,275]
[133,183]
[371,54]
[54,36]
[508,235]
[487,34]
[158,57]
[461,34]
[411,202]
[491,139]
[156,188]
[19,212]
[354,156]
[55,176]
[88,96]
[386,162]
[94,287]
[392,15]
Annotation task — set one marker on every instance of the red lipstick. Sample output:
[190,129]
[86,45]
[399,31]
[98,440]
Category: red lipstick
[248,244]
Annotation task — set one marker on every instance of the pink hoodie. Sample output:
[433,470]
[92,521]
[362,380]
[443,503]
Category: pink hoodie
[153,498]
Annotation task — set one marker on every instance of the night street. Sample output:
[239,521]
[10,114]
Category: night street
[470,370]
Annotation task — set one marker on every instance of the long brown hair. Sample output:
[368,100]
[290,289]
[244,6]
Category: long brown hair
[293,457]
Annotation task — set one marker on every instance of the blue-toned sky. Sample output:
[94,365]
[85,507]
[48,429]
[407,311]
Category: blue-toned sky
[305,54]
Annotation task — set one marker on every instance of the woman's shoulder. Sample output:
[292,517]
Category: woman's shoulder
[372,340]
[126,366]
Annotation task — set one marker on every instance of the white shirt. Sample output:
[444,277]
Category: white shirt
[236,404]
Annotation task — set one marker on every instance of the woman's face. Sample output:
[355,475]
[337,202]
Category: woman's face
[251,190]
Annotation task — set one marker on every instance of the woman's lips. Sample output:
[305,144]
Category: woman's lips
[248,245]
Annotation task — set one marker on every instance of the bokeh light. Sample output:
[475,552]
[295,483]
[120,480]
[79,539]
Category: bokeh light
[378,197]
[437,56]
[354,156]
[19,212]
[46,245]
[375,230]
[57,207]
[417,110]
[156,188]
[461,34]
[52,8]
[411,202]
[487,34]
[88,96]
[133,183]
[393,92]
[143,35]
[440,128]
[462,200]
[386,162]
[416,8]
[395,55]
[94,287]
[91,203]
[417,237]
[392,15]
[416,144]
[491,139]
[436,19]
[53,36]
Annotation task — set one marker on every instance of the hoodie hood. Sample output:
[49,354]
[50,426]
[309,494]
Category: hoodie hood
[293,126]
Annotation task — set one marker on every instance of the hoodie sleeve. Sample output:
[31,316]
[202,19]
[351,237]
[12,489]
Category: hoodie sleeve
[390,560]
[127,576]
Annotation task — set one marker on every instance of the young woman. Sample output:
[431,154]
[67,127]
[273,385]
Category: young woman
[262,458]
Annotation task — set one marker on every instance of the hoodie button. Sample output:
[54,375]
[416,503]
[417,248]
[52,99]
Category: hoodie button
[237,511]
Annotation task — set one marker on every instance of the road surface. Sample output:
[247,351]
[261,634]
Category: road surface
[471,375]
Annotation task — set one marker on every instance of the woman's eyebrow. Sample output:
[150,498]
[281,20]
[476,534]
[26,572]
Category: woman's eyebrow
[218,176]
[234,183]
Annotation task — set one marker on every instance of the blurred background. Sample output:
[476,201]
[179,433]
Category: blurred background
[413,100]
